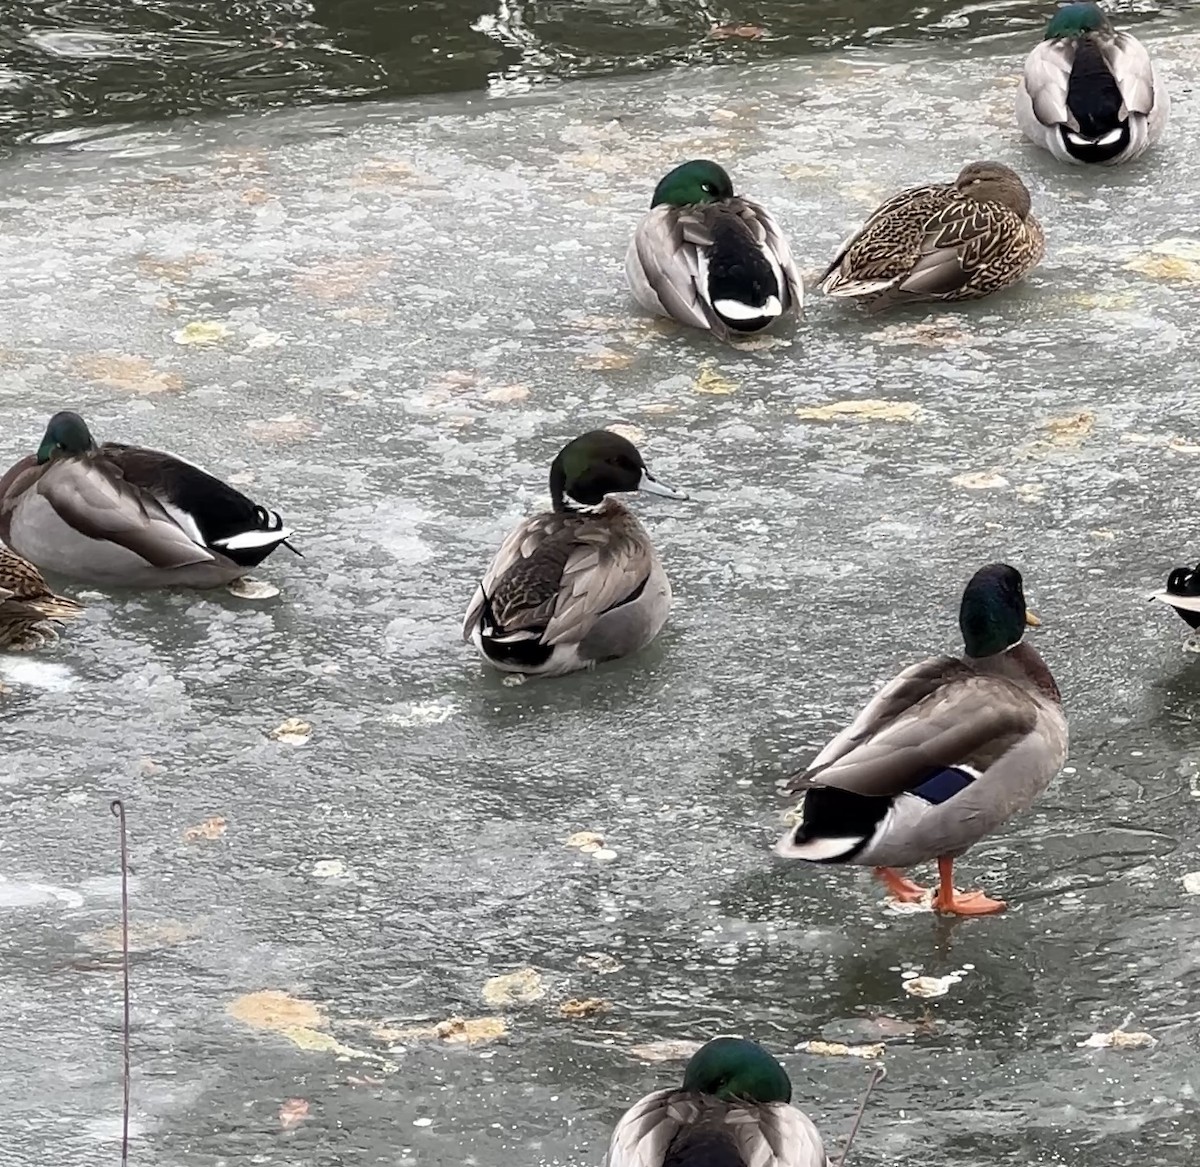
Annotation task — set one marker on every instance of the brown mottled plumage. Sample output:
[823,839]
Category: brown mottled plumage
[948,241]
[26,603]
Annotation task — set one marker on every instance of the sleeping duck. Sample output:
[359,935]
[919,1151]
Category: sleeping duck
[733,1110]
[580,583]
[711,259]
[941,757]
[1090,94]
[122,515]
[27,604]
[1183,594]
[959,240]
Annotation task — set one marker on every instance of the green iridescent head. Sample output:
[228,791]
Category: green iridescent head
[736,1069]
[698,181]
[1076,20]
[68,433]
[993,615]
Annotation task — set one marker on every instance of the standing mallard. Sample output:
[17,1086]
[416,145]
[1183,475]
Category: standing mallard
[1183,594]
[27,603]
[122,515]
[942,756]
[711,259]
[733,1110]
[581,583]
[959,240]
[1090,93]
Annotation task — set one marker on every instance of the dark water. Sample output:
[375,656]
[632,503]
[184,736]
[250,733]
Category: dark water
[69,65]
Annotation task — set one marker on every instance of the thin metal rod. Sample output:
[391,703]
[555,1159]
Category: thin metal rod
[118,809]
[877,1076]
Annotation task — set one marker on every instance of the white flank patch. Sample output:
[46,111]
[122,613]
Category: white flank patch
[816,850]
[249,539]
[183,520]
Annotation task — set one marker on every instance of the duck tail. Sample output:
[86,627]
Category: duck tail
[54,607]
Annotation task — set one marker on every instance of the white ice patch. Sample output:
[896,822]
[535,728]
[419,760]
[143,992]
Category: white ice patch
[36,674]
[28,895]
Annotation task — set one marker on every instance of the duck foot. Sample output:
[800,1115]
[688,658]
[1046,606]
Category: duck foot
[900,887]
[961,903]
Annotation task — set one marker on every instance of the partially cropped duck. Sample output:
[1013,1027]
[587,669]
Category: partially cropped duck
[1183,594]
[122,515]
[941,757]
[581,583]
[27,605]
[733,1110]
[711,259]
[959,240]
[1089,93]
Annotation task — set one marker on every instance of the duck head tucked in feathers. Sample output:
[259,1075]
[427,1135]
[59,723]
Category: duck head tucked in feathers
[1090,94]
[959,240]
[117,514]
[709,258]
[733,1110]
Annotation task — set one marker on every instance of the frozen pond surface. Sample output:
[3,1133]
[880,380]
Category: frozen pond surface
[402,313]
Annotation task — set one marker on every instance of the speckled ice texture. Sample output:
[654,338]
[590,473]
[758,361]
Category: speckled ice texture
[420,304]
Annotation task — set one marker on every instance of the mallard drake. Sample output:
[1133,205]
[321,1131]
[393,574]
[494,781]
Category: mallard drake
[113,514]
[1090,93]
[27,603]
[733,1110]
[1183,594]
[581,583]
[942,756]
[711,259]
[959,240]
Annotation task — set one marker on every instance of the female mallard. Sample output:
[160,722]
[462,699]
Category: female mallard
[26,603]
[940,757]
[733,1110]
[709,258]
[1183,594]
[124,515]
[580,583]
[1090,93]
[959,240]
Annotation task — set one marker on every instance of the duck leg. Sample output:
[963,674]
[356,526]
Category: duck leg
[961,903]
[899,886]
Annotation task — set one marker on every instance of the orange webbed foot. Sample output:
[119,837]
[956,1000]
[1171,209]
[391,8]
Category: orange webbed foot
[899,886]
[966,903]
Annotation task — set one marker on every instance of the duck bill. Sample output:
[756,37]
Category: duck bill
[651,485]
[1032,619]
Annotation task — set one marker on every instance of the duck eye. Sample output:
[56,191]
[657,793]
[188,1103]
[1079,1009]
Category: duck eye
[707,187]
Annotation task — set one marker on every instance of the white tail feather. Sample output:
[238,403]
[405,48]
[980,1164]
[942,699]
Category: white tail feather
[736,310]
[817,850]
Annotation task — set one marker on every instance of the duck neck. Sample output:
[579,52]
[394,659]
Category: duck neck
[1021,662]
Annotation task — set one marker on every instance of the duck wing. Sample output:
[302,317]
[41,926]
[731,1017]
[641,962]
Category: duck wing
[674,1128]
[1130,65]
[555,573]
[212,512]
[1047,79]
[884,248]
[96,501]
[964,719]
[663,264]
